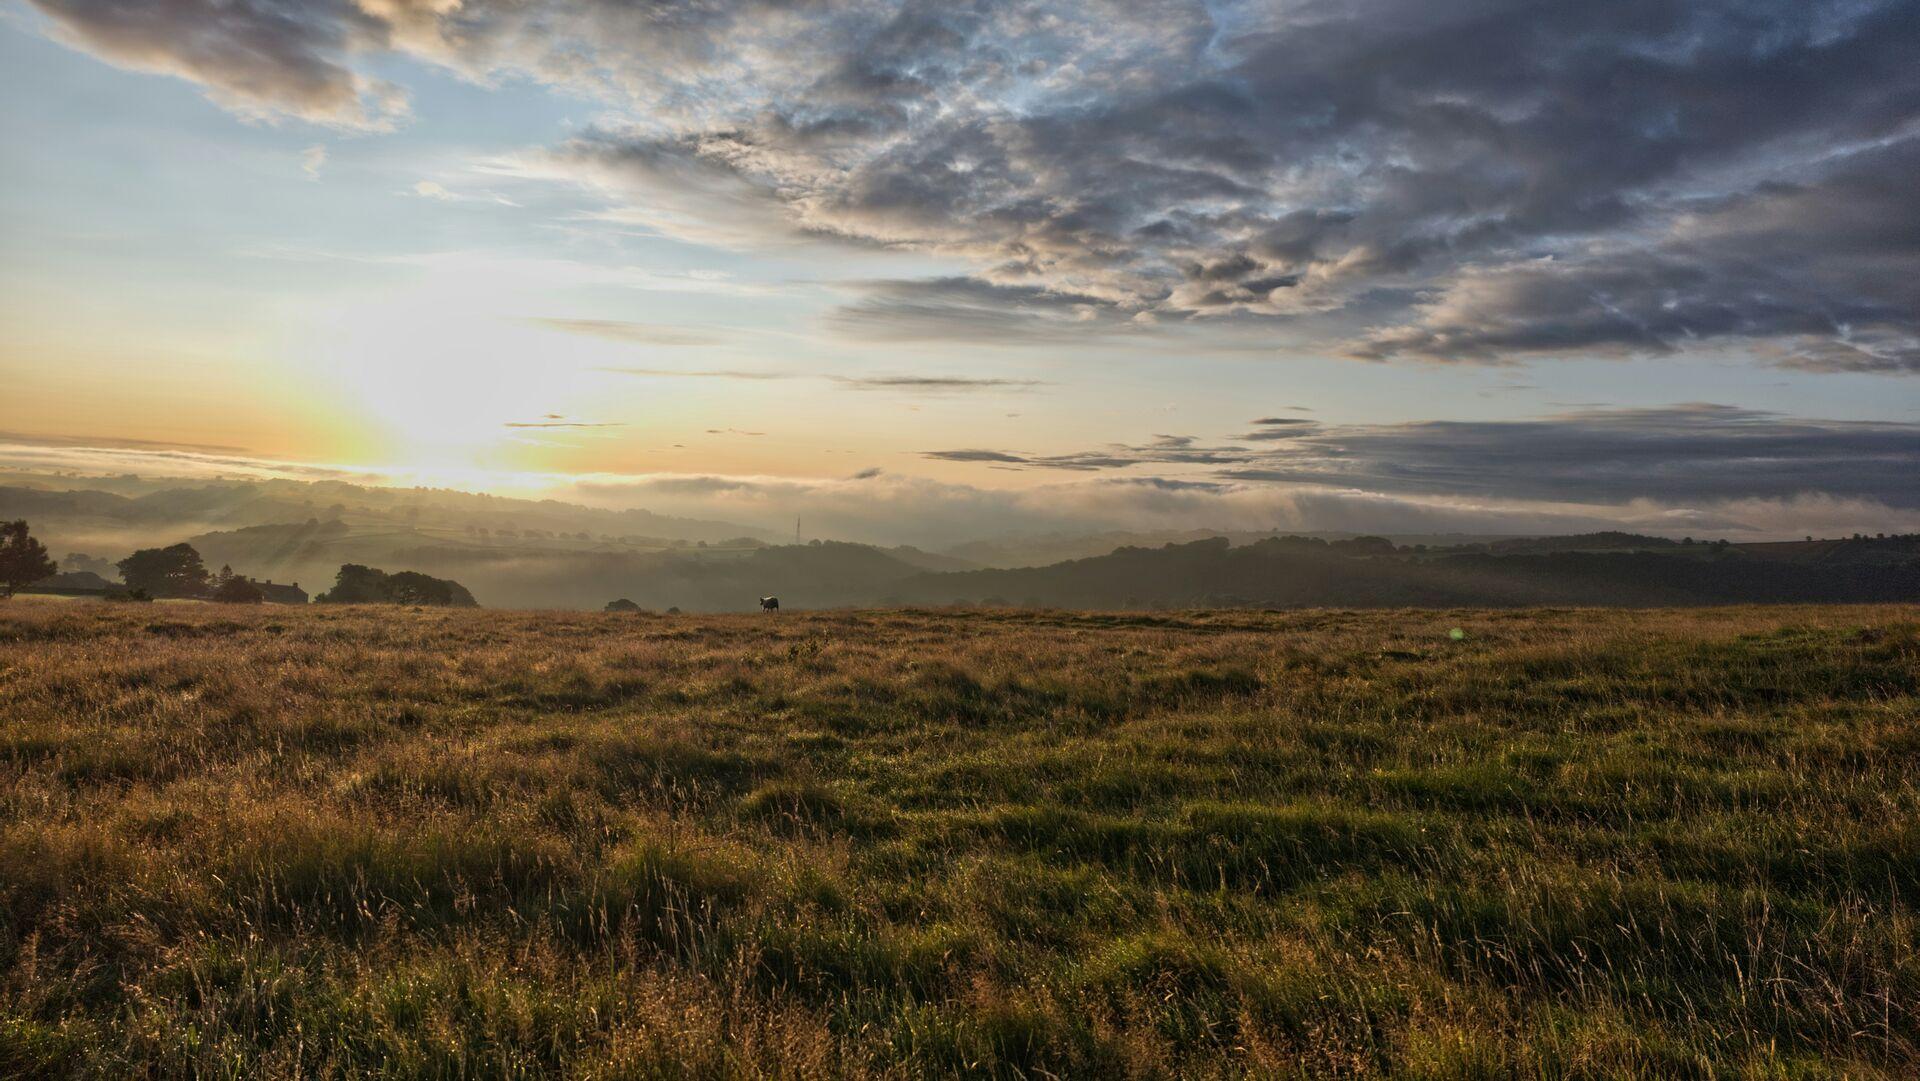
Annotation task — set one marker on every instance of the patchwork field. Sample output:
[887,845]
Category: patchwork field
[244,842]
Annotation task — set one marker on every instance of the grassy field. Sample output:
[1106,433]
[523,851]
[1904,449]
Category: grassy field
[272,843]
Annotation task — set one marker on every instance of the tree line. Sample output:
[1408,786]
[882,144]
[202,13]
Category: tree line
[177,571]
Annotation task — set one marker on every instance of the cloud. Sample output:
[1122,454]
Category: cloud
[1165,450]
[1816,273]
[108,456]
[1382,479]
[312,160]
[561,422]
[898,509]
[705,373]
[1695,454]
[1691,454]
[933,383]
[433,189]
[262,59]
[1271,429]
[975,455]
[1477,180]
[639,333]
[1471,180]
[969,310]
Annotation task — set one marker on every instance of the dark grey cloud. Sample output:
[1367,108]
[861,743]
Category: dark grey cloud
[1680,455]
[971,310]
[260,58]
[1819,274]
[974,456]
[932,383]
[1693,454]
[1274,435]
[1165,450]
[1469,180]
[1273,429]
[1642,176]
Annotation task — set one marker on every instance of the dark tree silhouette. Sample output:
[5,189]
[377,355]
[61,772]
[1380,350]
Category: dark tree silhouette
[23,560]
[360,584]
[232,588]
[412,587]
[174,571]
[622,605]
[356,584]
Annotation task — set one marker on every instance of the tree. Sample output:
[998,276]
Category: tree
[80,561]
[412,587]
[356,584]
[234,589]
[23,560]
[174,571]
[359,584]
[622,605]
[231,588]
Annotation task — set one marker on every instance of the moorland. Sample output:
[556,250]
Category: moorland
[245,841]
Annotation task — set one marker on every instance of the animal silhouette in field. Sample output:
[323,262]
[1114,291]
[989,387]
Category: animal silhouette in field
[769,604]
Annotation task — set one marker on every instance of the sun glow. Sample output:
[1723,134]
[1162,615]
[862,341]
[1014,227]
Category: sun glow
[445,376]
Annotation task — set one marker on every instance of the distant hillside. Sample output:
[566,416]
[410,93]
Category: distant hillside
[1301,572]
[136,514]
[817,575]
[1043,549]
[566,572]
[1882,550]
[1609,540]
[546,554]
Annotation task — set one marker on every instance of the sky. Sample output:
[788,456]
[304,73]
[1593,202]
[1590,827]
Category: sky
[955,267]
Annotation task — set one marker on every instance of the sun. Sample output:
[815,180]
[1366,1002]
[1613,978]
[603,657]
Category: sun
[443,378]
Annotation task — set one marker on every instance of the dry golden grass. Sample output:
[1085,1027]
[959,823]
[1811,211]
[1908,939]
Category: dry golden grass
[256,842]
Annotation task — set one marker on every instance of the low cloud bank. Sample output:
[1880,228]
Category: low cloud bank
[895,509]
[1704,469]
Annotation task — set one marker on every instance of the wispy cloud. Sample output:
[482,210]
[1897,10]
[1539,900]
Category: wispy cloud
[620,330]
[969,310]
[704,373]
[556,420]
[1165,450]
[932,384]
[1272,429]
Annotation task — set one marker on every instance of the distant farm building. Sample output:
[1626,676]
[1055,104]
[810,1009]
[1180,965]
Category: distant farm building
[72,583]
[280,594]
